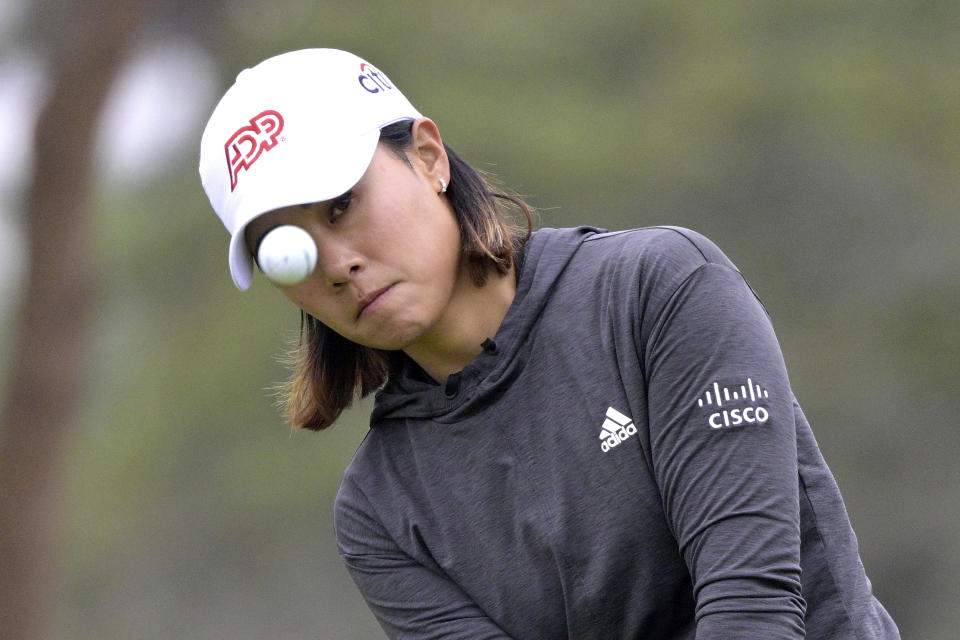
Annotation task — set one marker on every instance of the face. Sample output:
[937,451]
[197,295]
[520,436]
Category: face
[388,263]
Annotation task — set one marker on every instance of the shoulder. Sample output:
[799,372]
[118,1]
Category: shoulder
[351,490]
[677,245]
[380,465]
[674,246]
[354,513]
[659,259]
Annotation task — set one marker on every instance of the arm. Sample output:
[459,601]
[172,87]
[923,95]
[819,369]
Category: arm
[408,599]
[727,466]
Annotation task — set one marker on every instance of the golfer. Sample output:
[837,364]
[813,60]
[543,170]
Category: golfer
[577,433]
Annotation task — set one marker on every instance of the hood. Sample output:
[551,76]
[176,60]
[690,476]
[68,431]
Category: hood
[409,391]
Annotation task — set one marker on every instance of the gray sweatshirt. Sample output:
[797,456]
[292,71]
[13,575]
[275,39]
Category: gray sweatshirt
[625,459]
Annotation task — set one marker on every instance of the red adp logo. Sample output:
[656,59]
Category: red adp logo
[245,146]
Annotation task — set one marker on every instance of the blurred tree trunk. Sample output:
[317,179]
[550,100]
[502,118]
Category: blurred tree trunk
[48,367]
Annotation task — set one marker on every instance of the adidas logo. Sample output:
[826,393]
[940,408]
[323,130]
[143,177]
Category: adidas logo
[616,428]
[720,398]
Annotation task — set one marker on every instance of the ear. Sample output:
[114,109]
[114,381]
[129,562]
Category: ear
[427,151]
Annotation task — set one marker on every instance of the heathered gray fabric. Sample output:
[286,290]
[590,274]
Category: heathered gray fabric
[492,507]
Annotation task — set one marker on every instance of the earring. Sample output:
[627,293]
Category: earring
[443,185]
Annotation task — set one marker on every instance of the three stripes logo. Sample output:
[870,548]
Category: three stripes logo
[723,400]
[616,428]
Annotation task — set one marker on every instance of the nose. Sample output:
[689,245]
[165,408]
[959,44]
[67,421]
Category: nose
[337,260]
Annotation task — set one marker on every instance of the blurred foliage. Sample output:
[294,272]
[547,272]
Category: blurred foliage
[815,142]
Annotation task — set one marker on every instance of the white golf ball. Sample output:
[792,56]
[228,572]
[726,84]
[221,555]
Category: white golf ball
[287,255]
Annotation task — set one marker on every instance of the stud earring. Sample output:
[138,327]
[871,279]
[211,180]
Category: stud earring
[443,185]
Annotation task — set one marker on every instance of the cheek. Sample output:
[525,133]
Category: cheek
[293,294]
[449,246]
[447,256]
[302,300]
[436,256]
[418,232]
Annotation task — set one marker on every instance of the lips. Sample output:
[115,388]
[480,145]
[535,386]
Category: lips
[371,299]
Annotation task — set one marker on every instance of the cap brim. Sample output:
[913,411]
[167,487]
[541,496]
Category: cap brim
[325,177]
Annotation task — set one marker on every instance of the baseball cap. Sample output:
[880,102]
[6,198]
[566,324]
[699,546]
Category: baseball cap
[297,128]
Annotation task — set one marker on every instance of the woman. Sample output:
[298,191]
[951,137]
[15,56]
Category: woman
[576,433]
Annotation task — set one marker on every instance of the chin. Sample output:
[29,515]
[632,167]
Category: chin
[395,341]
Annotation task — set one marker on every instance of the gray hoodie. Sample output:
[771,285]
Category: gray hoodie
[625,459]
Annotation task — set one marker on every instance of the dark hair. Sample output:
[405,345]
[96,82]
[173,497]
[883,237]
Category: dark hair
[330,372]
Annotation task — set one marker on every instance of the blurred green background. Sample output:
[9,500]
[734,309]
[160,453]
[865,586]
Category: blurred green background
[816,142]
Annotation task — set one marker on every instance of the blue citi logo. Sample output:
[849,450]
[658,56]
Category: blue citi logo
[372,79]
[719,398]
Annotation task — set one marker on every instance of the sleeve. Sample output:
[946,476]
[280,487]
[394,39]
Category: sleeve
[723,450]
[409,600]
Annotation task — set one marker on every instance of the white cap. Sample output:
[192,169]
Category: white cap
[297,128]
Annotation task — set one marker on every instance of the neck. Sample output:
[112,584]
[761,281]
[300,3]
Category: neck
[473,315]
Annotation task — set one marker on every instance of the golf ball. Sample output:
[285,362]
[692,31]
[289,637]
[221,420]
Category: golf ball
[287,255]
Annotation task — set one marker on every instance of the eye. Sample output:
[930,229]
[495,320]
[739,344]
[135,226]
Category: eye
[253,241]
[339,207]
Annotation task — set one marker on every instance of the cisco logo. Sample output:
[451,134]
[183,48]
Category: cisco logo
[728,404]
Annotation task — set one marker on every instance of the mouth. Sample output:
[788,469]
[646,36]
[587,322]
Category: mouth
[369,303]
